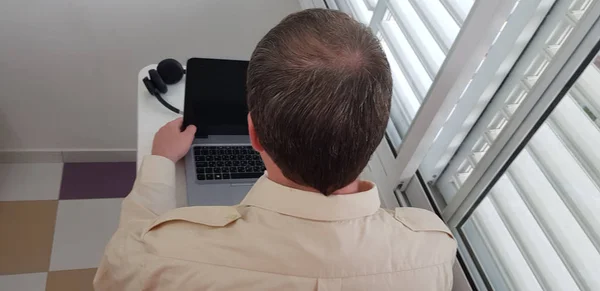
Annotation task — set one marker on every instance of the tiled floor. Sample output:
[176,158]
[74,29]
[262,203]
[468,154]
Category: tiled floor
[55,220]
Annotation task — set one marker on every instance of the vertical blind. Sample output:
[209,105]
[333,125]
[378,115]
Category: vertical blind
[416,37]
[538,227]
[541,220]
[512,94]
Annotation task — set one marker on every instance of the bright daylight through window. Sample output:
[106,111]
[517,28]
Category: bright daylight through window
[538,225]
[416,36]
[522,196]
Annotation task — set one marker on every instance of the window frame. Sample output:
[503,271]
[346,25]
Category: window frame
[504,53]
[470,47]
[461,63]
[527,117]
[585,46]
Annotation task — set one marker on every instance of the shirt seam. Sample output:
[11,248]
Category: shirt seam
[282,274]
[304,217]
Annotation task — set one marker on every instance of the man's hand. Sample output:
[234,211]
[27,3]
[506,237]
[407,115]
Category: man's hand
[171,143]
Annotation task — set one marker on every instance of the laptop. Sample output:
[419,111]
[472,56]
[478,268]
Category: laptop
[221,165]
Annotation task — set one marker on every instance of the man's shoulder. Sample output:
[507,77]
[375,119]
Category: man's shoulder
[420,220]
[425,230]
[209,216]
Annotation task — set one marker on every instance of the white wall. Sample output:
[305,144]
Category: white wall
[68,68]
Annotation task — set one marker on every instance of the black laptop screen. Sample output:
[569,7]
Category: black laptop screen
[215,97]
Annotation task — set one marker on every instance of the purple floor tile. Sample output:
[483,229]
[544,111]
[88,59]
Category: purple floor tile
[96,180]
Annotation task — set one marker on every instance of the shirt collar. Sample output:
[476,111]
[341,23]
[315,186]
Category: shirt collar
[269,195]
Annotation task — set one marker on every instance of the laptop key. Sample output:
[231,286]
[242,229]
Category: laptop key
[245,175]
[217,170]
[209,177]
[220,164]
[228,163]
[212,164]
[241,169]
[200,177]
[210,158]
[218,176]
[225,169]
[200,170]
[201,164]
[236,163]
[208,170]
[256,169]
[197,158]
[226,176]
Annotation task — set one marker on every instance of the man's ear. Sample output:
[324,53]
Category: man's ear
[253,137]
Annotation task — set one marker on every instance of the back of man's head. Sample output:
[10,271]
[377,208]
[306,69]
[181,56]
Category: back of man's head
[319,91]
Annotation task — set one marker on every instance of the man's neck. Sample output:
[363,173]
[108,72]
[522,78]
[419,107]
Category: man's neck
[279,178]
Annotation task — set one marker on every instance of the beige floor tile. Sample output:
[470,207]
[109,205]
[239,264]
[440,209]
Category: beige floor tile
[27,230]
[71,280]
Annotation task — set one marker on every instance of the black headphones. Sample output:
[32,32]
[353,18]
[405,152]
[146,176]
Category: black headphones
[168,72]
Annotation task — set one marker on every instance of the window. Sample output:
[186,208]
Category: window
[508,147]
[523,188]
[516,89]
[416,36]
[538,228]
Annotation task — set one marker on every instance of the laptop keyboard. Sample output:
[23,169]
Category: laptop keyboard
[227,163]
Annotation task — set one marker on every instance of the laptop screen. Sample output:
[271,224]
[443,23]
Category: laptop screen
[215,97]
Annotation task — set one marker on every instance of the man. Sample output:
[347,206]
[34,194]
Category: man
[319,91]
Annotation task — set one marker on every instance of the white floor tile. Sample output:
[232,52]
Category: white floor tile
[83,228]
[37,181]
[24,282]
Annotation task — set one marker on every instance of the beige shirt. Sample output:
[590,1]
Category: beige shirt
[278,238]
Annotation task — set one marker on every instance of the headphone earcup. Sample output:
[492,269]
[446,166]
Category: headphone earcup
[149,86]
[170,70]
[158,82]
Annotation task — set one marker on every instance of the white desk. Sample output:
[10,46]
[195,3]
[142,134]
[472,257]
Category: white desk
[151,116]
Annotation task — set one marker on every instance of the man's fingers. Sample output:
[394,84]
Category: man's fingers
[190,130]
[177,122]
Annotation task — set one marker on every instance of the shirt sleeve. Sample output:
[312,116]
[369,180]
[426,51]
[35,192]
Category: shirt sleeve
[153,194]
